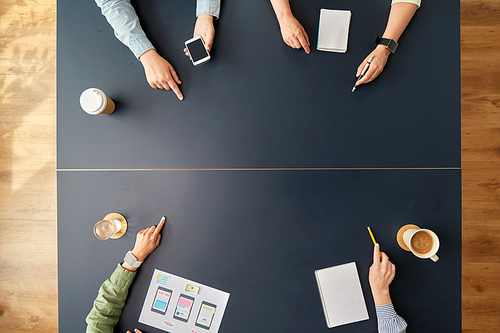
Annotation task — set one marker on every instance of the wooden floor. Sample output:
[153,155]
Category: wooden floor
[28,236]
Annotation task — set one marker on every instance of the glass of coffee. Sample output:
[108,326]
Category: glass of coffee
[423,243]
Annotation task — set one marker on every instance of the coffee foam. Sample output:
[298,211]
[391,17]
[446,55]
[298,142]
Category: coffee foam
[422,242]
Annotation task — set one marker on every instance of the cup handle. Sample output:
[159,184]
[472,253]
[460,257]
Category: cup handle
[434,258]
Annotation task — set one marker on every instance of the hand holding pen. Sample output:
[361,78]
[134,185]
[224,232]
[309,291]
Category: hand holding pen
[363,72]
[377,60]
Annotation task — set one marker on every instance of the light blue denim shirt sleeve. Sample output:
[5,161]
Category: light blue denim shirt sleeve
[389,321]
[124,21]
[210,7]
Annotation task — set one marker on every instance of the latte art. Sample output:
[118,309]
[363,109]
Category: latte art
[422,242]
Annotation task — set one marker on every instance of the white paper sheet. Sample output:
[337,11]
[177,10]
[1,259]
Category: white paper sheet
[177,285]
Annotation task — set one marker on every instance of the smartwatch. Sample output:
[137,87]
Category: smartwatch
[131,260]
[391,44]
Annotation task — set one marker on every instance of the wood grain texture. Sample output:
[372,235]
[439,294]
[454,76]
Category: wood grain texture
[28,238]
[28,178]
[480,57]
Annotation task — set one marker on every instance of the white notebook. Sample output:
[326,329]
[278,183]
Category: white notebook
[333,30]
[341,295]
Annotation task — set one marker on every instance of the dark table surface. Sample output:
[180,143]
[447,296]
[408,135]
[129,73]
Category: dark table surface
[260,235]
[257,234]
[259,103]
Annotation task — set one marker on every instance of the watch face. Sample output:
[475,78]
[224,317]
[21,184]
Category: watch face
[130,260]
[393,45]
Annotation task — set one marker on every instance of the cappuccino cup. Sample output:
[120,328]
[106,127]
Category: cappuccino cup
[423,243]
[94,101]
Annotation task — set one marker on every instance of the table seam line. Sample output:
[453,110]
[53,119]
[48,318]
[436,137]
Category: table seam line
[257,169]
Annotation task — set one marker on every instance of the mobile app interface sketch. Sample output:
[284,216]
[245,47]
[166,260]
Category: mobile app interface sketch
[183,309]
[161,300]
[206,315]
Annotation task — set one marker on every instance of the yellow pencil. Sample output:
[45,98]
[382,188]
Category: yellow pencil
[373,239]
[371,235]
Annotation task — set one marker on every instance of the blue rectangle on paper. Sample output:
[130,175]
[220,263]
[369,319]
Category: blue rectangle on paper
[160,305]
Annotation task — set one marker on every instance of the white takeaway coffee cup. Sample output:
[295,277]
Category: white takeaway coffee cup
[94,101]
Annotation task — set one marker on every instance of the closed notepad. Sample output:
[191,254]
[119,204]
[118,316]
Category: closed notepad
[341,295]
[333,30]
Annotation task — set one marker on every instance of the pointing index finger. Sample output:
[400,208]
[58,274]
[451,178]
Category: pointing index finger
[176,90]
[304,42]
[160,225]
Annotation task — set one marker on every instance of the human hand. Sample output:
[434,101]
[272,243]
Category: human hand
[159,73]
[136,331]
[147,241]
[382,273]
[380,56]
[204,27]
[293,33]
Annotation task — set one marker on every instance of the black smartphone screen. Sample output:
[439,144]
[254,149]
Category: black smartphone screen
[197,50]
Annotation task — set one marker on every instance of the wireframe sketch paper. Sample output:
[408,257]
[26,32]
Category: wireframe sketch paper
[333,30]
[341,295]
[177,305]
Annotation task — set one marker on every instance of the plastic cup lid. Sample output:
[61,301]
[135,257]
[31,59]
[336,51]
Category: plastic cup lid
[92,100]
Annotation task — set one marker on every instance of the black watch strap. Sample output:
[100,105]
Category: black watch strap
[391,44]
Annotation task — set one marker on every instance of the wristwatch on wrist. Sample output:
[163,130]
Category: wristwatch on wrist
[131,260]
[391,44]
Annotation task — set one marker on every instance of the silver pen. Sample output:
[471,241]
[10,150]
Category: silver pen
[363,72]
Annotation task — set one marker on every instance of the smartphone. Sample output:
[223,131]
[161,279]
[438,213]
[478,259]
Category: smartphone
[197,50]
[206,314]
[183,309]
[161,300]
